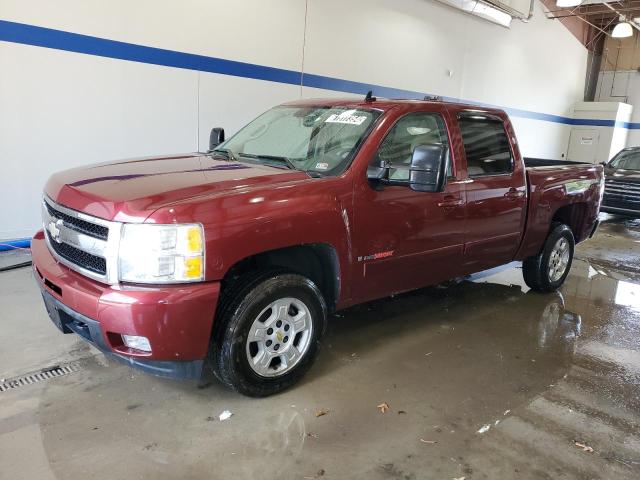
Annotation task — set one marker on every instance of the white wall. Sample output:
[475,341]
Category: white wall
[622,86]
[62,109]
[411,44]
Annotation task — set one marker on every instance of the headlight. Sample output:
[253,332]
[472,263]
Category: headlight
[161,253]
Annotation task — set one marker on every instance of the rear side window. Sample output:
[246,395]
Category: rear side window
[486,145]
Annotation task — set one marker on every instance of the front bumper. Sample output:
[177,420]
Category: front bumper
[177,319]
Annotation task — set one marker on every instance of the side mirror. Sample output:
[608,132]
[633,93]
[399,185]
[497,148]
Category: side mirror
[216,137]
[376,171]
[425,173]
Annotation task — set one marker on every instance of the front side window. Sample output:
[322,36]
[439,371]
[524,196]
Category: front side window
[627,160]
[486,145]
[411,131]
[320,140]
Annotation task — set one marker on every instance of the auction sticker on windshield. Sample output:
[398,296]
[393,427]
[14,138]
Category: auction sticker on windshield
[346,117]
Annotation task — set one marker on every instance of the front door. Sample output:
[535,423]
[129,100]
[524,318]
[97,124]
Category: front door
[405,239]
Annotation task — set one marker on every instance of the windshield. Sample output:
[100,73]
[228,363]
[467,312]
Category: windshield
[627,160]
[320,140]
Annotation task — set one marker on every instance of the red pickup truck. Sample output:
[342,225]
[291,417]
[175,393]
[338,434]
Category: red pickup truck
[232,259]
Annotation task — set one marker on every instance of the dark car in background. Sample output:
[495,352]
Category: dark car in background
[622,183]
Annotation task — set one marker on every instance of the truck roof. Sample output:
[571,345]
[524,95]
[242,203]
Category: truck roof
[386,104]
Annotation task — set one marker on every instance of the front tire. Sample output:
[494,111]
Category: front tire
[547,271]
[269,333]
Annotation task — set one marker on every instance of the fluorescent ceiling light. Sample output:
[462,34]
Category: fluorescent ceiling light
[568,3]
[482,10]
[487,12]
[622,30]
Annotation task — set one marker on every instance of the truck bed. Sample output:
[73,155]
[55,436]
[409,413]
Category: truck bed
[563,191]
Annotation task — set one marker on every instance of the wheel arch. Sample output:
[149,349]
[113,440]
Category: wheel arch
[318,262]
[573,216]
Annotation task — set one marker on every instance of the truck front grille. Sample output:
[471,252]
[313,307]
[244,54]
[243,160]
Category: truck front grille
[76,256]
[621,187]
[91,229]
[82,242]
[621,194]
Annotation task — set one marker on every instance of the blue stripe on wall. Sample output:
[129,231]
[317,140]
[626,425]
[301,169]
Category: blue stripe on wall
[74,42]
[102,47]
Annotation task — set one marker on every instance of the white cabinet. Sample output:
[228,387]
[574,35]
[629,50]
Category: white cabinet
[599,131]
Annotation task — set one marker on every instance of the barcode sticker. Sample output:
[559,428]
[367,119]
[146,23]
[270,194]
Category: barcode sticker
[346,117]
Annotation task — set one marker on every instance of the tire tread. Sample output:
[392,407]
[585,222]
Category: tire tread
[533,268]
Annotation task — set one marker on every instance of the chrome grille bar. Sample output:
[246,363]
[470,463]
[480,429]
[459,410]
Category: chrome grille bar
[615,186]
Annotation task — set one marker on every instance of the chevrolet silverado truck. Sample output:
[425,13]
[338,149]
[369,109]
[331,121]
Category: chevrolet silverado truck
[230,261]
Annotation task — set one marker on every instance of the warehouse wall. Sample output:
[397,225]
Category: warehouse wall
[619,78]
[61,108]
[622,86]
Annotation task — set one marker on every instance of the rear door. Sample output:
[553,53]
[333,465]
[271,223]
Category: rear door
[496,190]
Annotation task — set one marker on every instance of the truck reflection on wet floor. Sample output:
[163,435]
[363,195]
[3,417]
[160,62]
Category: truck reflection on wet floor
[535,324]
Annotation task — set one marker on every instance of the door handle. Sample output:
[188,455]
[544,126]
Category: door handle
[514,194]
[450,202]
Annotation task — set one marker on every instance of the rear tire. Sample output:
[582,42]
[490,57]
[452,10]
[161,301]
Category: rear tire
[547,271]
[268,332]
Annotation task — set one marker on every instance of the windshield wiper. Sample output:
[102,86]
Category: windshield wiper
[282,160]
[224,152]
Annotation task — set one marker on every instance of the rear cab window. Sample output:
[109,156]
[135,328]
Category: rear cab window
[486,144]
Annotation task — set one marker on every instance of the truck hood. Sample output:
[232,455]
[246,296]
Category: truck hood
[131,190]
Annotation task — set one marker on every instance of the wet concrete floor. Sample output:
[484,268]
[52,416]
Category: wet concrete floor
[537,374]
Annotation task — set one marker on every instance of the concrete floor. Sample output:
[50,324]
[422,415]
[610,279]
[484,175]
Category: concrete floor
[541,372]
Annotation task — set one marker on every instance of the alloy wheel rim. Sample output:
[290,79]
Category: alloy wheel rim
[559,259]
[279,337]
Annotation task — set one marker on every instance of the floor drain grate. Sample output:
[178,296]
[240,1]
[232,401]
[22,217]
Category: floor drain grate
[38,376]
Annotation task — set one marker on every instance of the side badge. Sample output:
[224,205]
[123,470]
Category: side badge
[377,256]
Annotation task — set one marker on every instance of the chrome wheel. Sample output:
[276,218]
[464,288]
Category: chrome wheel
[279,337]
[559,259]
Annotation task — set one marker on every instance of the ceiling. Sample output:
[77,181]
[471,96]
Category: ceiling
[601,16]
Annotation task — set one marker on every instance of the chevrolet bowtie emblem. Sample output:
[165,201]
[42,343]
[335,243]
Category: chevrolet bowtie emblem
[54,229]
